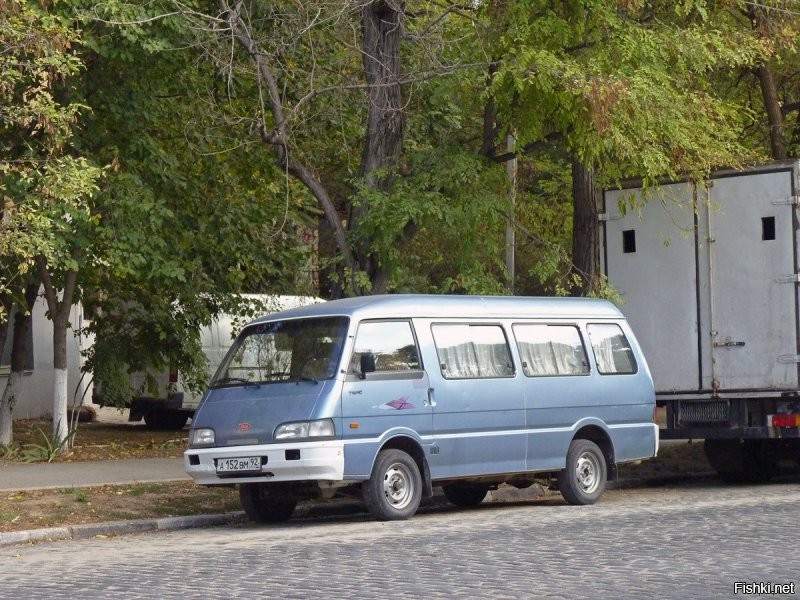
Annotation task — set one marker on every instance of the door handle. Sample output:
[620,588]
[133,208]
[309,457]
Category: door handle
[430,401]
[728,344]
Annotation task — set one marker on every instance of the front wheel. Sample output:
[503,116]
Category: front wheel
[394,489]
[265,505]
[583,480]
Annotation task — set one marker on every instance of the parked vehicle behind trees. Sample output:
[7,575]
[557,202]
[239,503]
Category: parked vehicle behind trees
[388,396]
[166,397]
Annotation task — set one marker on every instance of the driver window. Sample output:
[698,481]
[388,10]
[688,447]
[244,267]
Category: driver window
[391,343]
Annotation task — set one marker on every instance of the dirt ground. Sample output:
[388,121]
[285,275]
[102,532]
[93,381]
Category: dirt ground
[121,440]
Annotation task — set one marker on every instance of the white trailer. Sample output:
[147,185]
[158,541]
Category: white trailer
[708,274]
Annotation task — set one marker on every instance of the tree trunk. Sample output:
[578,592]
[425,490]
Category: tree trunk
[585,235]
[19,357]
[381,28]
[769,93]
[59,315]
[772,105]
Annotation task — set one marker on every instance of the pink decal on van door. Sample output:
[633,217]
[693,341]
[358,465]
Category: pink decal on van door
[399,404]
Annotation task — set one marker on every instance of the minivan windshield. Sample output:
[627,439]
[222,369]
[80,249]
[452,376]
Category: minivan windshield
[291,350]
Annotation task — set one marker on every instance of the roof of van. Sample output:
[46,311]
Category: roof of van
[429,305]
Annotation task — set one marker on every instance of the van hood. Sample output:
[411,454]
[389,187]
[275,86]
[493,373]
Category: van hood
[245,415]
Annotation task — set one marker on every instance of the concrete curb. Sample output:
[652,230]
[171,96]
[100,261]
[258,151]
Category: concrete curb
[114,528]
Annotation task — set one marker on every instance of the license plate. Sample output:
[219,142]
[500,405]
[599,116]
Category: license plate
[234,465]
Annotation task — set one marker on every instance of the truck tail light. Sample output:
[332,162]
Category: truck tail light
[784,420]
[173,375]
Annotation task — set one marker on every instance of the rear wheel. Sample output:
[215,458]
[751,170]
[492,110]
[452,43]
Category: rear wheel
[742,461]
[465,494]
[394,489]
[583,481]
[165,419]
[264,505]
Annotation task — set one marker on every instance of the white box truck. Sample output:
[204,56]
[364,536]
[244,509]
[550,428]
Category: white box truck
[708,274]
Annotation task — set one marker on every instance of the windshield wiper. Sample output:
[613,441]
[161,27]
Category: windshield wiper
[306,378]
[242,380]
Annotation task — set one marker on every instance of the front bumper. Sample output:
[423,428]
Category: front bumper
[303,461]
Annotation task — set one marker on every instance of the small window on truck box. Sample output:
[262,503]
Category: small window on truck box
[547,350]
[612,352]
[472,351]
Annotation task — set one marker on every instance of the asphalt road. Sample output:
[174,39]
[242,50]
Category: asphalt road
[692,541]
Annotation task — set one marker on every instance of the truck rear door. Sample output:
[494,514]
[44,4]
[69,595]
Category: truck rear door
[752,282]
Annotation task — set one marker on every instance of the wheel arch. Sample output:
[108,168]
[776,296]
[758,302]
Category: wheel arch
[413,448]
[598,435]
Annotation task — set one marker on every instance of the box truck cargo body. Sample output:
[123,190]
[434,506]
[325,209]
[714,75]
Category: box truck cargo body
[708,275]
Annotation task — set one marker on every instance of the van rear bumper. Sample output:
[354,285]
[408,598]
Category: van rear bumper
[304,461]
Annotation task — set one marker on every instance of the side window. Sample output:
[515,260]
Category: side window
[612,352]
[472,351]
[551,350]
[391,342]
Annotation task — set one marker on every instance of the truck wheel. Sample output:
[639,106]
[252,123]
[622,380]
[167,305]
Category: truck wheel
[583,480]
[165,420]
[464,494]
[742,461]
[394,489]
[263,505]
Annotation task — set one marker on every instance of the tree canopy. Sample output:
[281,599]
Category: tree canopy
[168,154]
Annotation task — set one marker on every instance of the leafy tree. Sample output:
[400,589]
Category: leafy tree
[623,88]
[42,181]
[189,213]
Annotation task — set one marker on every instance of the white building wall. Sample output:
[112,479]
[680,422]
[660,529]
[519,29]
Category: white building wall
[36,398]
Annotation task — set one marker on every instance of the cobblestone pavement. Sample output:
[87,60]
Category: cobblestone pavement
[695,541]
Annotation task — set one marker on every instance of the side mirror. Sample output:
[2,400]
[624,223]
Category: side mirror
[367,364]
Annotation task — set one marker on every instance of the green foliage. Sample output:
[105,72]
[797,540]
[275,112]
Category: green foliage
[48,448]
[10,452]
[627,86]
[41,181]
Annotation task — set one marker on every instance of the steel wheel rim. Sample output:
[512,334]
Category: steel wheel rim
[587,471]
[398,486]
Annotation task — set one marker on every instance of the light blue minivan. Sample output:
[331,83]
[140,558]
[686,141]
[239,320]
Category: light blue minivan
[389,396]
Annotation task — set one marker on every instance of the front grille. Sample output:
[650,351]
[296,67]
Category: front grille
[703,412]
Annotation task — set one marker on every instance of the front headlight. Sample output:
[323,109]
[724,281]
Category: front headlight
[305,429]
[203,437]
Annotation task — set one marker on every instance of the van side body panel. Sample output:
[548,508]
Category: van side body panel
[478,423]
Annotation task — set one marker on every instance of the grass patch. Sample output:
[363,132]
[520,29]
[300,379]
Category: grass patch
[52,508]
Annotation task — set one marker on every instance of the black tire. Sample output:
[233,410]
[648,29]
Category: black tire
[742,461]
[583,480]
[263,505]
[394,489]
[165,420]
[464,494]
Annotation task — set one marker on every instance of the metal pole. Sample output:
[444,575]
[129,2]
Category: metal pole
[511,172]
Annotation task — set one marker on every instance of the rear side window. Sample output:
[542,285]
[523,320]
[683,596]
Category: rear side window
[391,342]
[612,352]
[472,351]
[547,350]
